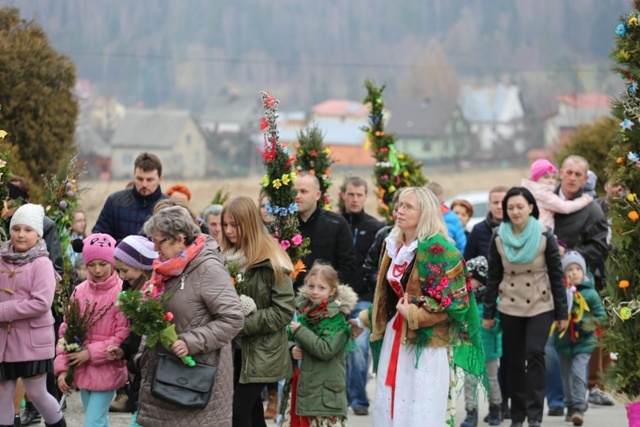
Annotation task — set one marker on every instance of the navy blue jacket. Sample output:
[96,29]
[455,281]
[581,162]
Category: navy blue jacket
[125,212]
[480,238]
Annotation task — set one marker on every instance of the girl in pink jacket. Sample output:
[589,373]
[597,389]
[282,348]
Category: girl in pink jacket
[95,375]
[542,185]
[27,286]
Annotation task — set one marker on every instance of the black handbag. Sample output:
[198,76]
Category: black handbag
[182,385]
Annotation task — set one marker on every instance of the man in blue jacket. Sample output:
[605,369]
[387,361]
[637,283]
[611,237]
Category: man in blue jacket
[451,220]
[125,211]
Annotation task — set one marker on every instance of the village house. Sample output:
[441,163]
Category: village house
[172,135]
[496,116]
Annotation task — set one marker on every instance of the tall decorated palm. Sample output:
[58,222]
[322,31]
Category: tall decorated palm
[622,292]
[62,199]
[278,184]
[312,156]
[5,174]
[392,170]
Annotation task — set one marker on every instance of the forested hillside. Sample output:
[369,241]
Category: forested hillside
[179,53]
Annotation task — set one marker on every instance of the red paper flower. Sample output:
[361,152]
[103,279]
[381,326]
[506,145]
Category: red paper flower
[169,316]
[264,123]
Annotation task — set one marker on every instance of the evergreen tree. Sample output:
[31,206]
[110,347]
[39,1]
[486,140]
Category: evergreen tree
[39,110]
[392,170]
[622,292]
[312,156]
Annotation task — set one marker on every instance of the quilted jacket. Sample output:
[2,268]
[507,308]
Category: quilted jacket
[99,374]
[208,315]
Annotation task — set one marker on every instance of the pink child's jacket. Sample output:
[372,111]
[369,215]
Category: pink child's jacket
[550,203]
[26,322]
[99,374]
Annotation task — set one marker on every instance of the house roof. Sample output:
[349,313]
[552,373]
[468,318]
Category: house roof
[490,103]
[150,128]
[586,100]
[580,108]
[412,118]
[238,109]
[89,142]
[340,107]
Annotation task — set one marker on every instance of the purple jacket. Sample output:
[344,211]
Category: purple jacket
[99,374]
[26,322]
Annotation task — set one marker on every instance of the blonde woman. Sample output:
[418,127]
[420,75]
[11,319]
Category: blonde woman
[263,356]
[420,318]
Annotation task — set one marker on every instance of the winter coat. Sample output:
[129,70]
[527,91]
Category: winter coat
[331,241]
[363,229]
[125,212]
[491,338]
[207,315]
[26,322]
[526,290]
[321,389]
[454,228]
[264,338]
[99,374]
[584,231]
[371,263]
[480,237]
[585,342]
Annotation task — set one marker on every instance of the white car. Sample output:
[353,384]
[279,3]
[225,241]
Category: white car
[480,202]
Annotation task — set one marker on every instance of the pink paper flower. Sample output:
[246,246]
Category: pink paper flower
[297,239]
[285,244]
[169,316]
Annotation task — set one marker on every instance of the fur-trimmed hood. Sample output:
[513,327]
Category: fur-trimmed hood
[346,298]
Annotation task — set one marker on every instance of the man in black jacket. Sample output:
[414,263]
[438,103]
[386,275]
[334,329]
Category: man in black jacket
[584,231]
[363,228]
[330,237]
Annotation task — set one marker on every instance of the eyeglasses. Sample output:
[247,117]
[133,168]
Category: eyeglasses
[159,242]
[404,206]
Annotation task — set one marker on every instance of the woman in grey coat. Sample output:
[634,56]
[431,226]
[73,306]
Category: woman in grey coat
[207,315]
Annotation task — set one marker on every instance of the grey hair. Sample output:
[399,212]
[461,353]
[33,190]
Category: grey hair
[171,223]
[212,210]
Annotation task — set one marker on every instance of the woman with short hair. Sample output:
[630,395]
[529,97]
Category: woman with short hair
[207,315]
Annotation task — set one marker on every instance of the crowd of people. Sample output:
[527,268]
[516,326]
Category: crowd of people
[431,304]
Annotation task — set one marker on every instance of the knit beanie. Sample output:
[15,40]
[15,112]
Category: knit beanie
[540,168]
[30,215]
[137,252]
[79,261]
[98,246]
[573,257]
[590,186]
[478,268]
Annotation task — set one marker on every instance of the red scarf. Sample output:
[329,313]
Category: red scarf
[174,267]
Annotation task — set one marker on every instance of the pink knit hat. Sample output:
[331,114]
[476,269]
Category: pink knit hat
[540,168]
[98,246]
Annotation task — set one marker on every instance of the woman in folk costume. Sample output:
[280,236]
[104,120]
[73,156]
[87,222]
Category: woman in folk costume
[423,321]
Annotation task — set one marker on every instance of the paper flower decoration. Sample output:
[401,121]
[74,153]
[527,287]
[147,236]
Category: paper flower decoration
[626,124]
[621,30]
[623,284]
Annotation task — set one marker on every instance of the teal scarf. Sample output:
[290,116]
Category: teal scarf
[521,249]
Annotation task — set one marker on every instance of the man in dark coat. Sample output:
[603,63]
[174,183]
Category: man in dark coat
[584,231]
[363,229]
[125,211]
[329,233]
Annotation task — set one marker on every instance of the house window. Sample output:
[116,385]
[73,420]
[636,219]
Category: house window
[127,159]
[426,146]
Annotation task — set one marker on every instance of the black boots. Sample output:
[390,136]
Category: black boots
[30,415]
[61,423]
[16,420]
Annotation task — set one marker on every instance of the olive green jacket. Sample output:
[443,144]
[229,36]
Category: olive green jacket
[265,357]
[321,385]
